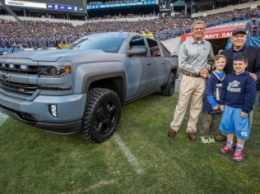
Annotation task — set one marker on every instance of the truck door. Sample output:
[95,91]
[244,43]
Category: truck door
[157,66]
[136,69]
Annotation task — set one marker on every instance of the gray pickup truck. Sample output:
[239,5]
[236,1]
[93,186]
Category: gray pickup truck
[82,88]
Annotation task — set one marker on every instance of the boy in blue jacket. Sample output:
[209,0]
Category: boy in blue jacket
[211,113]
[238,95]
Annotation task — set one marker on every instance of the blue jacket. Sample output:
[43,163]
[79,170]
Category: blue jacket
[213,88]
[239,91]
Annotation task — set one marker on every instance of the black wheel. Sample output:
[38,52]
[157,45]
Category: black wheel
[168,89]
[102,115]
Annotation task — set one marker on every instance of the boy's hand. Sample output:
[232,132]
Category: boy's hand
[243,114]
[222,107]
[216,107]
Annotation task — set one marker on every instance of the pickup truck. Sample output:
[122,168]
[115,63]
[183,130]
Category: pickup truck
[81,89]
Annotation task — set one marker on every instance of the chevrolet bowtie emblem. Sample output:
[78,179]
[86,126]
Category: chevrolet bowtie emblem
[4,77]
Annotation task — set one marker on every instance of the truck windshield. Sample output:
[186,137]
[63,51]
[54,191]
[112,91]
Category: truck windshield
[106,44]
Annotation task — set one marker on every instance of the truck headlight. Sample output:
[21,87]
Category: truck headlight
[54,71]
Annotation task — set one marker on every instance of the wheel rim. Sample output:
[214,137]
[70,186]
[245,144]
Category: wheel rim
[105,117]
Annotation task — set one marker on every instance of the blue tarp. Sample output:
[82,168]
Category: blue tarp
[252,41]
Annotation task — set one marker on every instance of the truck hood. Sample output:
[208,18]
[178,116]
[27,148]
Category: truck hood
[52,55]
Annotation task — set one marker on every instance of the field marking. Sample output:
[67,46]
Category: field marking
[131,159]
[3,118]
[91,187]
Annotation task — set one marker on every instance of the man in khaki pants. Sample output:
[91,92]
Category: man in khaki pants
[193,59]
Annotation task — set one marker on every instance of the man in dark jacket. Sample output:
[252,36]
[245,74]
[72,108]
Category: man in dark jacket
[239,47]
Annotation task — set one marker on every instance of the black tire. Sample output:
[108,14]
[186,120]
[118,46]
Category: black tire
[168,89]
[101,116]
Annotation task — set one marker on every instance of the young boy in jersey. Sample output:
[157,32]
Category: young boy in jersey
[211,113]
[237,99]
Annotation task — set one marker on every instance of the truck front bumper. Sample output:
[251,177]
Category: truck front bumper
[69,109]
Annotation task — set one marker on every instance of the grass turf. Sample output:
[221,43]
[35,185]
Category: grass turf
[33,161]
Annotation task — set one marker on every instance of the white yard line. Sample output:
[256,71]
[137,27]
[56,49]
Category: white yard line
[3,117]
[131,159]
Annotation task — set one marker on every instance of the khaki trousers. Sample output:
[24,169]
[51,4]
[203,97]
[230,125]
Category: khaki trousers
[191,88]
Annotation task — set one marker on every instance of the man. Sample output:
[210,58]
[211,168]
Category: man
[239,47]
[194,54]
[253,26]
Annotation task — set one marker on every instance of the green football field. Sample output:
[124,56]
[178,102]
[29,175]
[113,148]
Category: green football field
[139,158]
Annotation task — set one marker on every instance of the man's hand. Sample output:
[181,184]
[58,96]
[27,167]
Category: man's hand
[204,73]
[253,75]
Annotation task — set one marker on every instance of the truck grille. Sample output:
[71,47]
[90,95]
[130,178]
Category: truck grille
[22,69]
[27,89]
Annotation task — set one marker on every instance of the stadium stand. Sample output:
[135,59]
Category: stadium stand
[53,32]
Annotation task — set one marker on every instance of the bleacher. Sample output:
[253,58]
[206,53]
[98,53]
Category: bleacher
[162,30]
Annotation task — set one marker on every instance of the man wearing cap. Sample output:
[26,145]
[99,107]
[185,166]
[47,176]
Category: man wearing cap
[253,26]
[239,47]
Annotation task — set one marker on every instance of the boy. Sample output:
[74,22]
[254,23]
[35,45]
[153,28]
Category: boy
[237,99]
[210,109]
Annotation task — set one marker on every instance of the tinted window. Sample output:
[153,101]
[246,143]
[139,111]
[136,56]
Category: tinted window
[137,41]
[154,48]
[165,51]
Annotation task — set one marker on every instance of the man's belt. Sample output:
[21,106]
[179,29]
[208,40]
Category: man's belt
[190,74]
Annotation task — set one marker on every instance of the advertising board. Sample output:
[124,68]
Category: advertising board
[57,5]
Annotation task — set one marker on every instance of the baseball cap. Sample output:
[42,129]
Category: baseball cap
[253,15]
[238,30]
